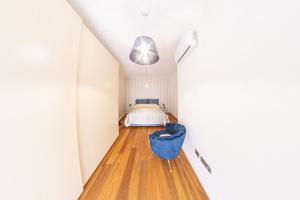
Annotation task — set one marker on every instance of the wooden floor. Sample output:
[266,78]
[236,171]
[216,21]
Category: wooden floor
[127,172]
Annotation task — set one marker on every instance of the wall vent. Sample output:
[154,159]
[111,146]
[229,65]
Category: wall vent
[205,164]
[197,153]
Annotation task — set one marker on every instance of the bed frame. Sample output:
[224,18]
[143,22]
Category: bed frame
[147,101]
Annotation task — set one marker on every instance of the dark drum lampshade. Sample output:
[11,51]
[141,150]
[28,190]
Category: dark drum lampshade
[144,51]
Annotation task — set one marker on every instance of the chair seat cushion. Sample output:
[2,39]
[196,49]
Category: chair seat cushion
[162,134]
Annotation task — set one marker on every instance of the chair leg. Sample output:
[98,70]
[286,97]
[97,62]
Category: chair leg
[151,155]
[170,166]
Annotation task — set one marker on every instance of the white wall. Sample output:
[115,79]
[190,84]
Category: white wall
[122,93]
[172,93]
[147,88]
[98,82]
[239,95]
[38,147]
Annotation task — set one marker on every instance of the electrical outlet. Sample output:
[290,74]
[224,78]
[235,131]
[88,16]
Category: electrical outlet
[197,153]
[205,164]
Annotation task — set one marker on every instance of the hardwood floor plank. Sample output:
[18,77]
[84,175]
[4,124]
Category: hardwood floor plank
[95,189]
[169,180]
[129,139]
[124,187]
[143,179]
[111,188]
[127,172]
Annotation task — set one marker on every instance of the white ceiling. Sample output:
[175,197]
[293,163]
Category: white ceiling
[117,23]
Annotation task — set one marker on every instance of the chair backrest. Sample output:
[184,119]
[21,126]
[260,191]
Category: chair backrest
[168,147]
[175,129]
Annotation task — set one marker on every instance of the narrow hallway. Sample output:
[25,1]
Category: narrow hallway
[127,172]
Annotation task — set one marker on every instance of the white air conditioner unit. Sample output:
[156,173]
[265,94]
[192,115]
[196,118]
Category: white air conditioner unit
[187,42]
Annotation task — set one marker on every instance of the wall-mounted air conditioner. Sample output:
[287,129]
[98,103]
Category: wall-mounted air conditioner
[187,43]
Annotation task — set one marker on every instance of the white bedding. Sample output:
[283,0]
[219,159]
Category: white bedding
[146,115]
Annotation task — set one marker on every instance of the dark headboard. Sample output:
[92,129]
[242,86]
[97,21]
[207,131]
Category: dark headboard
[147,101]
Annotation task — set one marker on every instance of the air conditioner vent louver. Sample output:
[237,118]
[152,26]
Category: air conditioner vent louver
[187,42]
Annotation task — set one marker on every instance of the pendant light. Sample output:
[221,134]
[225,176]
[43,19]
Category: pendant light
[144,51]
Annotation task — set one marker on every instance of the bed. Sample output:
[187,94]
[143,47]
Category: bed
[146,112]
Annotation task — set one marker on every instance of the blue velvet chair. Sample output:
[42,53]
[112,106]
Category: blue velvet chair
[167,143]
